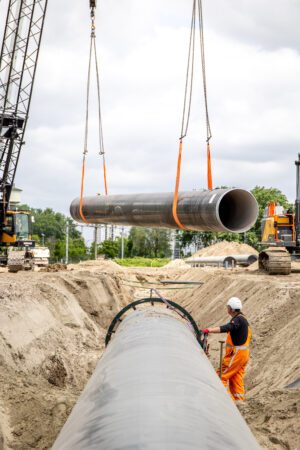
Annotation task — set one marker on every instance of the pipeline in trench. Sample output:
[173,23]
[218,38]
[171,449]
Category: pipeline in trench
[154,388]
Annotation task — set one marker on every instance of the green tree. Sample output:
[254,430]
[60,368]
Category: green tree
[138,241]
[159,240]
[77,249]
[59,250]
[37,239]
[149,242]
[109,248]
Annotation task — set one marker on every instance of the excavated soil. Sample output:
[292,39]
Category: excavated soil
[225,248]
[53,326]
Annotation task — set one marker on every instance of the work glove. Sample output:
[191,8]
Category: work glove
[205,330]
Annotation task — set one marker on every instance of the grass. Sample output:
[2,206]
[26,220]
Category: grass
[142,262]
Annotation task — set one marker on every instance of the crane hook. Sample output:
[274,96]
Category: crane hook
[93,5]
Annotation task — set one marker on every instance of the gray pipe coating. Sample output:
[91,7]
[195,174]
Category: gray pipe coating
[212,260]
[154,389]
[232,260]
[245,260]
[228,210]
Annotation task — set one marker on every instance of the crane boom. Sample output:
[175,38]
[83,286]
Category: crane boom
[18,62]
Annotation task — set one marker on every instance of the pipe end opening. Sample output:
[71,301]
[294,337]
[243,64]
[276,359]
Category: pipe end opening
[238,210]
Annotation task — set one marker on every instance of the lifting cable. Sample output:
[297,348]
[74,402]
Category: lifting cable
[188,101]
[101,142]
[208,129]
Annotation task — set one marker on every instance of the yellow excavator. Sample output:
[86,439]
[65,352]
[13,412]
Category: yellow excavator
[15,239]
[281,233]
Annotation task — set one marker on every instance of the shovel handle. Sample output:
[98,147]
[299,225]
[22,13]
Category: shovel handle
[221,356]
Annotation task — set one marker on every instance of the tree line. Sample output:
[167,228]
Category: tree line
[49,227]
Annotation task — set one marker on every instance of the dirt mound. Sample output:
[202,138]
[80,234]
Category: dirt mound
[225,248]
[176,264]
[253,266]
[93,265]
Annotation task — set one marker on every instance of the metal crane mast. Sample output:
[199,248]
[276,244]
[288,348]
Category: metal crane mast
[18,62]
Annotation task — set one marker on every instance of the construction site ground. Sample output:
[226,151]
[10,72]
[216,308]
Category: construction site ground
[53,326]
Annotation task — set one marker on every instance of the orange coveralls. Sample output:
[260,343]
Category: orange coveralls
[233,366]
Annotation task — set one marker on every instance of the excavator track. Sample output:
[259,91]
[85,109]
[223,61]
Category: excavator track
[18,260]
[275,261]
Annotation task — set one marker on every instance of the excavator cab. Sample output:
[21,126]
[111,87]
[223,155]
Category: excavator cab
[16,230]
[278,226]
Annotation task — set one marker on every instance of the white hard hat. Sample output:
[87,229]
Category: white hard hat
[234,303]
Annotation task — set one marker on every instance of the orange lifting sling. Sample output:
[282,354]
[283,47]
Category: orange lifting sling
[188,101]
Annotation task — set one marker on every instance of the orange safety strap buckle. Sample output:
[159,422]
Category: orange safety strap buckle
[81,193]
[209,175]
[104,172]
[175,199]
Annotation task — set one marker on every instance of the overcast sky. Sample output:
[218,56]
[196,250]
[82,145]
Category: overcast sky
[253,77]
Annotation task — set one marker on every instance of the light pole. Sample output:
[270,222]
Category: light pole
[43,240]
[67,243]
[96,240]
[122,243]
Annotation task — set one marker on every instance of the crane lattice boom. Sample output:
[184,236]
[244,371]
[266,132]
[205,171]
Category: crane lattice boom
[18,61]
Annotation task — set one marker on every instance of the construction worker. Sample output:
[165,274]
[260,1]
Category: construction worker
[237,349]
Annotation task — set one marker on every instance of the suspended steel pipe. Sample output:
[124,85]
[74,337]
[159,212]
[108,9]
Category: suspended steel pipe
[228,210]
[154,388]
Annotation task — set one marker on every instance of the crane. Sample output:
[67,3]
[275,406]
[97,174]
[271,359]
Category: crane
[18,62]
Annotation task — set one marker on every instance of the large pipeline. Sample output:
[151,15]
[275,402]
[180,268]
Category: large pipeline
[154,388]
[228,210]
[225,261]
[245,260]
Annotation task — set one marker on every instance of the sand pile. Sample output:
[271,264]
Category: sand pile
[225,248]
[176,264]
[104,265]
[53,326]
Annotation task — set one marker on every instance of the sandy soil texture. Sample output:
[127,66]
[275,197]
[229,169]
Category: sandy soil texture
[53,326]
[225,248]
